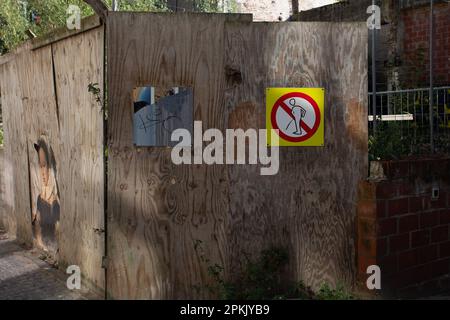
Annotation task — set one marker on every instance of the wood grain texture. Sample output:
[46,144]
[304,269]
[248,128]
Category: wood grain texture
[78,62]
[310,205]
[45,94]
[17,198]
[35,73]
[7,217]
[158,212]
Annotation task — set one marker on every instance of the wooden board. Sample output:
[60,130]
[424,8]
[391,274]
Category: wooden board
[45,96]
[78,62]
[158,213]
[7,217]
[309,207]
[15,164]
[35,74]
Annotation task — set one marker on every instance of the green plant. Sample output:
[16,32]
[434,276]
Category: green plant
[388,142]
[326,292]
[259,279]
[15,16]
[94,89]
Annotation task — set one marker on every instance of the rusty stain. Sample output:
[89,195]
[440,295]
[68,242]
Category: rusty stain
[243,116]
[357,127]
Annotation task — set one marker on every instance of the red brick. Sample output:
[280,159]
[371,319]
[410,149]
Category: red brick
[416,204]
[429,288]
[444,250]
[420,238]
[429,219]
[439,203]
[382,246]
[439,234]
[398,207]
[413,276]
[386,190]
[417,168]
[408,259]
[427,254]
[388,264]
[387,227]
[363,263]
[440,267]
[367,208]
[381,208]
[366,190]
[408,223]
[399,242]
[444,217]
[367,228]
[405,189]
[396,169]
[367,247]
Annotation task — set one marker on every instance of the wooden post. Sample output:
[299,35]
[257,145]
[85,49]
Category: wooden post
[99,7]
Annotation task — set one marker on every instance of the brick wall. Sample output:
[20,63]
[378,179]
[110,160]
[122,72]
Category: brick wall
[416,40]
[403,230]
[411,39]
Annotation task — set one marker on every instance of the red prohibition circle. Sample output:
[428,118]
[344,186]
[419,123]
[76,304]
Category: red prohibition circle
[280,103]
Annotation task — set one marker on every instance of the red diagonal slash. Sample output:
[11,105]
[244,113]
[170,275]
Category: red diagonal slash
[289,112]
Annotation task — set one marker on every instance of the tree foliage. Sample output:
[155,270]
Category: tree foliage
[41,16]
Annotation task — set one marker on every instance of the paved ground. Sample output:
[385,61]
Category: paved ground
[23,276]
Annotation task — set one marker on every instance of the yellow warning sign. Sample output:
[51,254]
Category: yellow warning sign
[297,114]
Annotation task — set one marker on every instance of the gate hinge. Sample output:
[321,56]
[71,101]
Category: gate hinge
[105,262]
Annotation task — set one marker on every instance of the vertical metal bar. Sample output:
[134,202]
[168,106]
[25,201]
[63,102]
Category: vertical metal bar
[438,115]
[421,107]
[431,75]
[115,5]
[374,76]
[408,125]
[446,120]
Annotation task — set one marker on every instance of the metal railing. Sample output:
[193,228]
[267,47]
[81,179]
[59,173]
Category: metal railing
[404,115]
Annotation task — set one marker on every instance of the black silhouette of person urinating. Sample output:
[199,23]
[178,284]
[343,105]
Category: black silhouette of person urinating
[298,113]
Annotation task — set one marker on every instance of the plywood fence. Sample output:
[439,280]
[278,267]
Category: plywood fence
[167,224]
[46,106]
[159,214]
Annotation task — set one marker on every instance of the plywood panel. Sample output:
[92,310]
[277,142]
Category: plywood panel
[7,217]
[158,213]
[78,62]
[45,97]
[16,159]
[309,207]
[35,73]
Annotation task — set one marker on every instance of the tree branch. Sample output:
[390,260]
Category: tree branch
[99,7]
